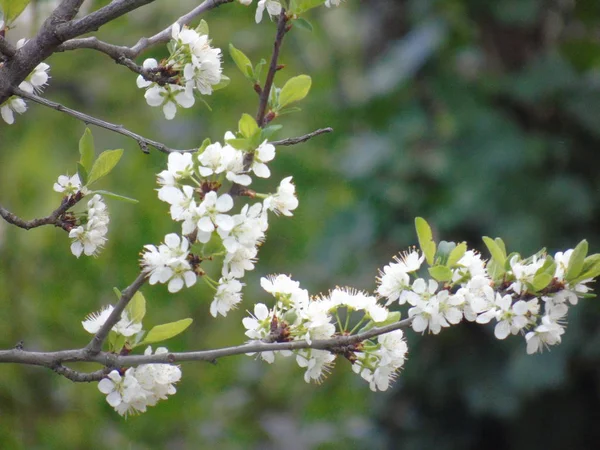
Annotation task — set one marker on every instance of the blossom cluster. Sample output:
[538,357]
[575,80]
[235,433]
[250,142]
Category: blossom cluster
[472,293]
[89,234]
[34,83]
[194,64]
[137,388]
[191,185]
[296,316]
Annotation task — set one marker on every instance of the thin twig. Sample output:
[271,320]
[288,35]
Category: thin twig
[300,139]
[53,219]
[95,345]
[87,119]
[55,360]
[266,89]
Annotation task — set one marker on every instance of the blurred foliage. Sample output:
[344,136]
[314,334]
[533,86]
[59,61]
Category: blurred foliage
[480,116]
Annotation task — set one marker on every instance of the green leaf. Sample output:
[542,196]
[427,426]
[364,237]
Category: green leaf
[242,62]
[443,252]
[295,89]
[115,196]
[576,261]
[496,252]
[223,82]
[495,270]
[205,143]
[166,331]
[456,254]
[240,144]
[540,281]
[289,110]
[440,273]
[247,126]
[425,239]
[12,9]
[259,68]
[106,162]
[83,175]
[202,27]
[393,317]
[591,268]
[303,24]
[86,150]
[268,131]
[501,245]
[304,5]
[136,309]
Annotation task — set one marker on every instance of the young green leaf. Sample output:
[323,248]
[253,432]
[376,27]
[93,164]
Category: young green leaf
[495,250]
[117,293]
[456,254]
[440,273]
[303,24]
[295,89]
[425,239]
[205,143]
[86,150]
[106,162]
[501,245]
[202,28]
[393,317]
[242,62]
[305,5]
[259,68]
[166,331]
[247,126]
[83,175]
[591,268]
[115,196]
[540,281]
[136,309]
[269,130]
[12,9]
[223,82]
[443,251]
[240,144]
[576,261]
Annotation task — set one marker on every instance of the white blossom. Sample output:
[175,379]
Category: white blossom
[263,154]
[36,80]
[273,8]
[227,297]
[284,201]
[89,238]
[69,185]
[13,104]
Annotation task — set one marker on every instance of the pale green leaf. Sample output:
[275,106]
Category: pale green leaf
[496,252]
[303,24]
[591,268]
[247,126]
[576,261]
[440,273]
[456,254]
[115,196]
[540,281]
[242,62]
[106,162]
[166,331]
[425,239]
[295,89]
[86,150]
[136,309]
[12,9]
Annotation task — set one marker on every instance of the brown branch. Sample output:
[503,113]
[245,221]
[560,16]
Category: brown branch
[300,139]
[266,89]
[95,345]
[87,119]
[53,219]
[55,360]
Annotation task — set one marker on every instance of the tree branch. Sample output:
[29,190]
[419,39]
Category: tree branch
[300,139]
[95,345]
[53,219]
[123,54]
[55,360]
[87,119]
[266,89]
[6,48]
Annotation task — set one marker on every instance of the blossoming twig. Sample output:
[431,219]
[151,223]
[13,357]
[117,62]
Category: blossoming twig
[95,344]
[52,219]
[55,360]
[87,119]
[124,55]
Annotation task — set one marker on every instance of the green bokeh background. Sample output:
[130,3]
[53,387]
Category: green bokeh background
[480,116]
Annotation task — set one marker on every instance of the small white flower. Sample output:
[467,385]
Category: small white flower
[548,333]
[211,213]
[273,8]
[13,104]
[69,185]
[318,364]
[125,394]
[36,80]
[263,154]
[394,278]
[124,326]
[227,297]
[169,97]
[284,201]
